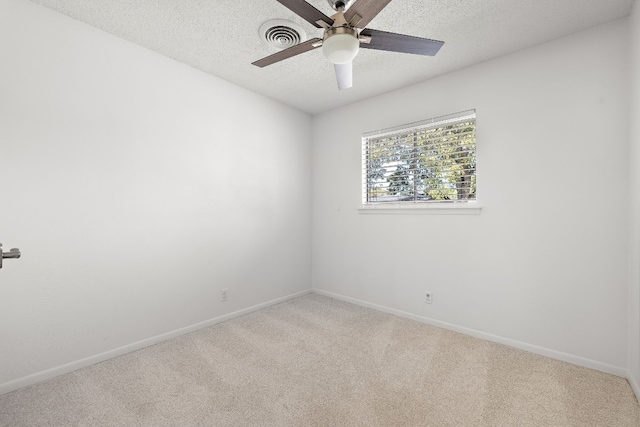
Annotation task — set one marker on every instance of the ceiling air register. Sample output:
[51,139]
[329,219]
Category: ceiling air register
[281,33]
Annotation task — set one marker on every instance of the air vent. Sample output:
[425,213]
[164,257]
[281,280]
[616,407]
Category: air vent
[281,33]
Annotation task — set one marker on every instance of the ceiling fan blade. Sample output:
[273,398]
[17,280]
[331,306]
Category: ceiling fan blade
[366,9]
[288,53]
[382,40]
[344,74]
[307,12]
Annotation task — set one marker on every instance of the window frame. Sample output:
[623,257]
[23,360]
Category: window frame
[460,207]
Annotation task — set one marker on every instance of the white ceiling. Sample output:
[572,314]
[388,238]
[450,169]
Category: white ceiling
[221,37]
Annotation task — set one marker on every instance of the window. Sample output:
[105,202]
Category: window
[429,162]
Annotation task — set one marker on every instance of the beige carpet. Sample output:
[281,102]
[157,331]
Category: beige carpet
[315,361]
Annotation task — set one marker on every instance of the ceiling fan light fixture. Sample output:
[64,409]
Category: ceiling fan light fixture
[340,45]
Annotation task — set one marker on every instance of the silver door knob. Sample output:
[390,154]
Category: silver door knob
[13,253]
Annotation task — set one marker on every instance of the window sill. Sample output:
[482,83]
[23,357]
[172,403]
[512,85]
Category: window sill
[422,209]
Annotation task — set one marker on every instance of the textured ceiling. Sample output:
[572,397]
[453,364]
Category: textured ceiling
[221,37]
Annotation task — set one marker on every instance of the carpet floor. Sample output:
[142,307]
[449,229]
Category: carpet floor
[316,361]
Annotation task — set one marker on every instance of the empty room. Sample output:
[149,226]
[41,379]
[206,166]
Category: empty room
[320,213]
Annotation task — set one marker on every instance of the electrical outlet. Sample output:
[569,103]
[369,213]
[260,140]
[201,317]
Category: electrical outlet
[224,294]
[428,297]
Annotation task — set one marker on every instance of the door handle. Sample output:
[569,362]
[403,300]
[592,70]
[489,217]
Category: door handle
[13,253]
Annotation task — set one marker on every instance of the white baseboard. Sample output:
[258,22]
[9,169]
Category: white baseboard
[634,386]
[565,357]
[72,366]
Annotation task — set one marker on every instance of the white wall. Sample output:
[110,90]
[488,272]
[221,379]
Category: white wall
[545,264]
[634,195]
[137,188]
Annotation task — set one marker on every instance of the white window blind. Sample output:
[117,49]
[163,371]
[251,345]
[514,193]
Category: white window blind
[432,161]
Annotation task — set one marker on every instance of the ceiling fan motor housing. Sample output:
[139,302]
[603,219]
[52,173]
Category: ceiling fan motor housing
[336,4]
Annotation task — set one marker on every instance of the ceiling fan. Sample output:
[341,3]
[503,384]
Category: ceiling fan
[345,32]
